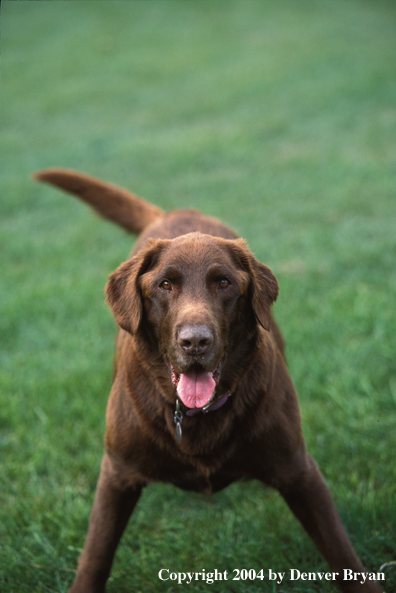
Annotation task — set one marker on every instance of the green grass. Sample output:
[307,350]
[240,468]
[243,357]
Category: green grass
[278,117]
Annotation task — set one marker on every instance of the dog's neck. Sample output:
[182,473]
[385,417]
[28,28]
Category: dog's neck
[215,404]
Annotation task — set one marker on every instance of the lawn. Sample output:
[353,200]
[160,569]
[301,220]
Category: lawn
[279,118]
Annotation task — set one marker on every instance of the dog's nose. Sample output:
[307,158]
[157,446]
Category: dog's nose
[195,339]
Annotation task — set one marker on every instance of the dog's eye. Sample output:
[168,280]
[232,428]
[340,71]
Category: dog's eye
[166,285]
[224,283]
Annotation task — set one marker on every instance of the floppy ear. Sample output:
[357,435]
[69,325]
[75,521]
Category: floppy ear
[123,291]
[263,284]
[265,292]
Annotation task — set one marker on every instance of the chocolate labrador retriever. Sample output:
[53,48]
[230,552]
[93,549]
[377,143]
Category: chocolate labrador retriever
[201,394]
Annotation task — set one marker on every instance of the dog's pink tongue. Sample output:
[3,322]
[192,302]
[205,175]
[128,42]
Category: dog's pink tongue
[195,388]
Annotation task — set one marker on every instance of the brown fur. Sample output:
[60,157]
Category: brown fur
[256,434]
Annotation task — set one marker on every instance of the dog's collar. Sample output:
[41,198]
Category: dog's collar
[210,407]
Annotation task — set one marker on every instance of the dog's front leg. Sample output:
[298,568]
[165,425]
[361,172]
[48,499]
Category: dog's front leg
[114,503]
[310,500]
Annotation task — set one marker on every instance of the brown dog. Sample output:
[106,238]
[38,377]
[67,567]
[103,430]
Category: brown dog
[194,307]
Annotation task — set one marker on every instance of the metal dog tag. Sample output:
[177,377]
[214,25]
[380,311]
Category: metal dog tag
[178,433]
[178,417]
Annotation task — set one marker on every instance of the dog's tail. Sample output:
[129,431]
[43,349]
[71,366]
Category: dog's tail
[114,203]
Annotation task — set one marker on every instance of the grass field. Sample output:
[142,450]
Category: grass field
[278,117]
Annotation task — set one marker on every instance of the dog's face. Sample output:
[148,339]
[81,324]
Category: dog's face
[194,296]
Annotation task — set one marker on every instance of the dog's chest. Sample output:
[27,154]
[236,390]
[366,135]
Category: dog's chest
[194,473]
[202,479]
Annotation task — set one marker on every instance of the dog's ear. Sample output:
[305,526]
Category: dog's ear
[265,291]
[123,290]
[263,287]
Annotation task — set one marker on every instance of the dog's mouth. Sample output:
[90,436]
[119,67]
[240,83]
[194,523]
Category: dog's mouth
[196,387]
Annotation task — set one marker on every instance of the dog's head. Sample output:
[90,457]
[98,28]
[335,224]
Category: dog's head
[195,296]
